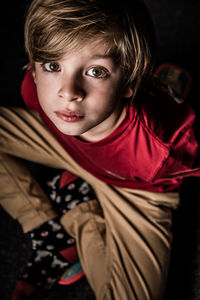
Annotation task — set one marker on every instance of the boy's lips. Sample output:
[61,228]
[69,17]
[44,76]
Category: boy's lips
[69,116]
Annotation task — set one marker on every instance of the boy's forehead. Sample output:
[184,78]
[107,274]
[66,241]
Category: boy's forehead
[98,49]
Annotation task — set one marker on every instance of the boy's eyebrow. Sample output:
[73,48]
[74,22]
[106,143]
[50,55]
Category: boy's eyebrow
[102,56]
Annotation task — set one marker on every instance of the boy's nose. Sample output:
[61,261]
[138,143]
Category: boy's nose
[70,90]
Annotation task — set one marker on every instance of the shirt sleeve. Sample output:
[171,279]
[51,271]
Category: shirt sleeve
[184,157]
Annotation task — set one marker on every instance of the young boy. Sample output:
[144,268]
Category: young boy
[102,117]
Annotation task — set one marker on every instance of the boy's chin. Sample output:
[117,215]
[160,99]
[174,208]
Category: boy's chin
[71,132]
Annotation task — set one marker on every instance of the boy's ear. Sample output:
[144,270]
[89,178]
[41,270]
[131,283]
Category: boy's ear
[33,74]
[128,92]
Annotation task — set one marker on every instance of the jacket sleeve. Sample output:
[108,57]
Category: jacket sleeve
[21,196]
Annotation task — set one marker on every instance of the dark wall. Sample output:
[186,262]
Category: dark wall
[12,50]
[177,25]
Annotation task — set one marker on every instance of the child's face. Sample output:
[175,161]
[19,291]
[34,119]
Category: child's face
[82,93]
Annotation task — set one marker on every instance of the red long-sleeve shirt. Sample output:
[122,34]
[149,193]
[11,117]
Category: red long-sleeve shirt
[153,148]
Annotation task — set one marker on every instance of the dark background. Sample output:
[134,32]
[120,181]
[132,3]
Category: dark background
[177,25]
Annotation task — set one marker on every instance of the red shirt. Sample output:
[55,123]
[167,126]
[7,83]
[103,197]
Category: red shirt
[153,148]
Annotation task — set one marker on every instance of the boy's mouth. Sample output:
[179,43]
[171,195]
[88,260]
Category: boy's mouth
[69,116]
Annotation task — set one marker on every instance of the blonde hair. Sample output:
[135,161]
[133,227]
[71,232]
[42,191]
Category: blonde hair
[54,27]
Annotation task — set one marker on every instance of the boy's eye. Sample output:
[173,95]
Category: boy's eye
[51,67]
[97,72]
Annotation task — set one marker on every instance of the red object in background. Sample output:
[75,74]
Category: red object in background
[176,77]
